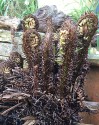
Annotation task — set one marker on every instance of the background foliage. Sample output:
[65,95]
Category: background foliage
[18,8]
[84,6]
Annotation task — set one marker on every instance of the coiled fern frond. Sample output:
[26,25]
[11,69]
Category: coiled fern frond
[30,22]
[67,47]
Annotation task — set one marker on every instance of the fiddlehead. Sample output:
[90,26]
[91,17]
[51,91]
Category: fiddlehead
[16,58]
[31,47]
[31,41]
[67,48]
[86,28]
[30,22]
[6,68]
[47,57]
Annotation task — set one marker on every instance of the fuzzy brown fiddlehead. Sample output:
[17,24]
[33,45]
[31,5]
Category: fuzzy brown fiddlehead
[86,28]
[31,47]
[30,22]
[6,68]
[47,57]
[31,41]
[67,48]
[16,58]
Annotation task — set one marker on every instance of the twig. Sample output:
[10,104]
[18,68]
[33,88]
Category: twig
[1,106]
[8,110]
[13,77]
